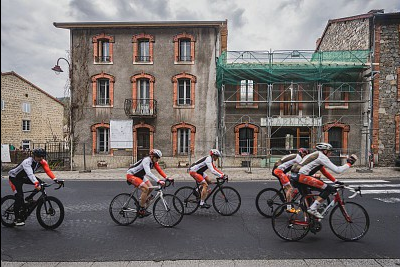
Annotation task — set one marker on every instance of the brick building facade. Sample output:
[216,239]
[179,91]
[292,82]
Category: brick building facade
[29,115]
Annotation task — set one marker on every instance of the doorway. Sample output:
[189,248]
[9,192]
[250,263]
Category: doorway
[143,142]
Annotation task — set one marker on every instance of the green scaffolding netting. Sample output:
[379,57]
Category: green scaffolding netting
[294,66]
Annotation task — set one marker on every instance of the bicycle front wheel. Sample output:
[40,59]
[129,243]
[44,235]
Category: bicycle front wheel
[268,200]
[50,212]
[168,210]
[349,222]
[190,199]
[226,201]
[123,209]
[290,226]
[7,211]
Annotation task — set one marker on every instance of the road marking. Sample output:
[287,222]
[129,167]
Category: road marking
[360,181]
[382,191]
[375,185]
[389,200]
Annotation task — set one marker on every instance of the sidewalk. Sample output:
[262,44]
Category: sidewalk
[235,174]
[219,263]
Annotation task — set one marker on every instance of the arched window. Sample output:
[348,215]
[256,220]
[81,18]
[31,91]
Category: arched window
[143,48]
[101,138]
[103,48]
[184,48]
[103,89]
[246,139]
[142,94]
[184,90]
[183,137]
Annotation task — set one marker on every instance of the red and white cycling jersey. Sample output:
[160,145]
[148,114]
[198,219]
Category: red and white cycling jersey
[203,164]
[28,167]
[143,168]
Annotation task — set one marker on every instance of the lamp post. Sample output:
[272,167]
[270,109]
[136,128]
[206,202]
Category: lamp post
[57,69]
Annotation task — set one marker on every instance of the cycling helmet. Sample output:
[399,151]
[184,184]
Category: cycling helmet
[155,152]
[39,152]
[215,152]
[303,151]
[323,146]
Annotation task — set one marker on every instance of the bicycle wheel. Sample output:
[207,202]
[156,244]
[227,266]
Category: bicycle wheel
[226,200]
[290,226]
[349,223]
[268,200]
[190,199]
[50,212]
[123,209]
[7,211]
[168,210]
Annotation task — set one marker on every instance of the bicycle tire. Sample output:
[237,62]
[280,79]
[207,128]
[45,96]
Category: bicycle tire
[50,212]
[349,231]
[7,211]
[168,210]
[268,200]
[226,200]
[290,226]
[123,209]
[190,201]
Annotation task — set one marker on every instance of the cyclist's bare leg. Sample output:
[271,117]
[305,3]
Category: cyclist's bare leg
[144,187]
[205,184]
[289,190]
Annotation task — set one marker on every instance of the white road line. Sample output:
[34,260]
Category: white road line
[382,191]
[375,185]
[360,181]
[389,200]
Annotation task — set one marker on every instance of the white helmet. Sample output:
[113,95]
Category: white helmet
[323,146]
[215,152]
[155,152]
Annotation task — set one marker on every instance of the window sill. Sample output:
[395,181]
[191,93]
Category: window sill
[244,106]
[184,107]
[142,63]
[184,62]
[336,107]
[103,63]
[103,106]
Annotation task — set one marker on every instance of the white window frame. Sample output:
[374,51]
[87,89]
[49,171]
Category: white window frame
[185,50]
[186,91]
[100,147]
[246,92]
[26,125]
[103,89]
[183,141]
[144,50]
[3,104]
[26,144]
[26,107]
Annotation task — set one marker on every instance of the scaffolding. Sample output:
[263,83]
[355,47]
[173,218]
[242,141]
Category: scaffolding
[294,99]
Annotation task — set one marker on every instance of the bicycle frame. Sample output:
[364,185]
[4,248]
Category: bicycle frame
[218,184]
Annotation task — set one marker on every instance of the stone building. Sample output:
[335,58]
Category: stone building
[143,85]
[379,33]
[30,117]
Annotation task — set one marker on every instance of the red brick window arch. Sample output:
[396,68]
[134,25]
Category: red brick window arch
[143,94]
[101,138]
[246,137]
[103,48]
[183,137]
[103,90]
[184,45]
[184,90]
[143,48]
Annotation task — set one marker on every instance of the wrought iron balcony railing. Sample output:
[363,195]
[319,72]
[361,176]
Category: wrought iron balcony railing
[140,107]
[102,59]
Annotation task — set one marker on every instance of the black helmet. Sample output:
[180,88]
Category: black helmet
[39,152]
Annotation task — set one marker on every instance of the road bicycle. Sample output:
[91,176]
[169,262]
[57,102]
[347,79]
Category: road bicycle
[167,208]
[225,199]
[269,199]
[49,209]
[349,221]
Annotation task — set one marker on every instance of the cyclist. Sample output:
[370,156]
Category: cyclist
[302,173]
[284,165]
[24,174]
[139,175]
[197,171]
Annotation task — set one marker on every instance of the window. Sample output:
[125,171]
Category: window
[26,107]
[103,48]
[26,144]
[246,139]
[184,48]
[246,94]
[183,141]
[103,92]
[143,48]
[184,92]
[183,137]
[336,97]
[26,125]
[3,104]
[142,95]
[144,51]
[103,140]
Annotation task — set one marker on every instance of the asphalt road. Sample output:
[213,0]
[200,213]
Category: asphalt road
[89,234]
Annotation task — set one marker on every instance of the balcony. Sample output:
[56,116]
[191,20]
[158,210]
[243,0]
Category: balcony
[143,59]
[142,107]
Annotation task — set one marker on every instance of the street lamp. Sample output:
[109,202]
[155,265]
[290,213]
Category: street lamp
[57,69]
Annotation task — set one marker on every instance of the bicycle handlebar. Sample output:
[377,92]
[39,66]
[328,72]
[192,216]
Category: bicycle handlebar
[356,191]
[60,184]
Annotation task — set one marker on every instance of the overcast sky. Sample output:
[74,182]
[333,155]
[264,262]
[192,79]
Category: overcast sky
[31,45]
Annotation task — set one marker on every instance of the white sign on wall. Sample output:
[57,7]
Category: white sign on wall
[5,153]
[121,135]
